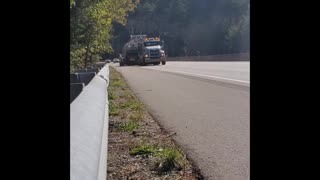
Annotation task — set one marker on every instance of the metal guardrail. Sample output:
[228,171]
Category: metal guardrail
[89,116]
[220,57]
[79,80]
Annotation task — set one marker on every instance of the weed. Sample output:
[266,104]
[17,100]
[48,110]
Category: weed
[144,150]
[136,116]
[111,95]
[129,126]
[170,158]
[132,105]
[113,109]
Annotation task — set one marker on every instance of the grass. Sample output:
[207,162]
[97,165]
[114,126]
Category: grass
[117,83]
[136,116]
[169,158]
[129,126]
[132,105]
[113,109]
[123,96]
[144,150]
[111,95]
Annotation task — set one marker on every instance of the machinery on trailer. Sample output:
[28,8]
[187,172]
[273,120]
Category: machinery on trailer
[142,50]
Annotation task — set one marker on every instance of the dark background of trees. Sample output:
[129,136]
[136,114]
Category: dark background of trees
[100,28]
[189,27]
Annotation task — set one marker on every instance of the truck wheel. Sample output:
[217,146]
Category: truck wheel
[163,62]
[121,64]
[143,63]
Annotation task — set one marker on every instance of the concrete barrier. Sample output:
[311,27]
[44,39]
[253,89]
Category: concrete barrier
[96,70]
[86,77]
[100,64]
[80,71]
[75,90]
[74,78]
[89,130]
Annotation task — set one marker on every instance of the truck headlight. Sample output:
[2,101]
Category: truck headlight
[162,52]
[146,55]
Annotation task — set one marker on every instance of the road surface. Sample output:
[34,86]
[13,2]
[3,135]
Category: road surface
[207,105]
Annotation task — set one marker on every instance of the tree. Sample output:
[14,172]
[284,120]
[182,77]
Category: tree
[91,25]
[208,26]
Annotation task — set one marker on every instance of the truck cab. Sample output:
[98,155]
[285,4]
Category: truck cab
[143,50]
[153,51]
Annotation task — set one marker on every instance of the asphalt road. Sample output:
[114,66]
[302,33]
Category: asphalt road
[207,105]
[234,72]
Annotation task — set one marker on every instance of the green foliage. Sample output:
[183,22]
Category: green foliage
[191,26]
[132,105]
[116,83]
[129,126]
[113,109]
[169,158]
[237,37]
[111,95]
[144,150]
[72,3]
[188,27]
[91,25]
[136,116]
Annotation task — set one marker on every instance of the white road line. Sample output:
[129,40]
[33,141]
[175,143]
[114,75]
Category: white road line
[214,77]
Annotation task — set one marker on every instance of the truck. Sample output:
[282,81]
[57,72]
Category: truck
[143,50]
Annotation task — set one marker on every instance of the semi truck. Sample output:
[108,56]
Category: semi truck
[142,50]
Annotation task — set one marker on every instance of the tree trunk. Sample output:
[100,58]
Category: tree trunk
[87,51]
[87,55]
